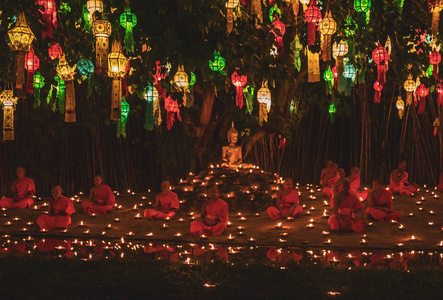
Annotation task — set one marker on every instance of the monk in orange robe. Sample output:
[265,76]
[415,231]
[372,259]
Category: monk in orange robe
[354,179]
[166,202]
[60,211]
[287,203]
[345,204]
[101,198]
[22,189]
[327,172]
[399,183]
[380,203]
[336,187]
[214,215]
[328,183]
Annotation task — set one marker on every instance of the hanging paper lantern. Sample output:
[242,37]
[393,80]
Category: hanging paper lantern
[296,46]
[274,12]
[377,94]
[39,83]
[21,38]
[436,125]
[94,5]
[422,91]
[128,21]
[172,108]
[435,6]
[219,62]
[328,76]
[264,98]
[363,7]
[277,24]
[327,27]
[8,102]
[410,87]
[230,6]
[49,16]
[102,30]
[117,64]
[312,16]
[339,50]
[429,71]
[152,107]
[60,101]
[121,126]
[348,79]
[350,29]
[248,91]
[332,110]
[313,66]
[55,51]
[381,58]
[32,63]
[439,89]
[434,60]
[240,82]
[181,80]
[66,73]
[400,106]
[85,67]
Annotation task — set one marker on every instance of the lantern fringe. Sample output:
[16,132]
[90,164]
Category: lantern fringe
[421,105]
[61,100]
[239,96]
[263,113]
[30,82]
[129,41]
[326,52]
[37,101]
[149,116]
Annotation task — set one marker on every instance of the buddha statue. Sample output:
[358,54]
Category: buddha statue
[232,154]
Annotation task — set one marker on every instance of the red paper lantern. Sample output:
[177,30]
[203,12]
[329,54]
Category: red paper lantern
[49,16]
[240,82]
[279,36]
[312,16]
[55,51]
[32,63]
[434,60]
[422,91]
[381,57]
[171,107]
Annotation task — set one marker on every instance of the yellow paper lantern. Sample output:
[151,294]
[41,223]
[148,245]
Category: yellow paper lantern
[230,6]
[8,102]
[410,86]
[102,30]
[94,5]
[181,78]
[117,63]
[264,99]
[327,27]
[400,106]
[339,50]
[66,73]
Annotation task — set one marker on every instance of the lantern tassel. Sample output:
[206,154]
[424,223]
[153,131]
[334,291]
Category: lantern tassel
[297,60]
[263,113]
[401,113]
[311,33]
[149,116]
[230,19]
[30,82]
[170,118]
[435,130]
[440,99]
[129,41]
[61,100]
[70,102]
[409,98]
[326,52]
[421,105]
[435,20]
[37,101]
[239,97]
[381,73]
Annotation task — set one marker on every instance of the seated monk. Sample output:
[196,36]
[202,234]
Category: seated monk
[287,203]
[22,189]
[60,211]
[354,179]
[214,215]
[398,182]
[101,198]
[440,183]
[328,187]
[232,154]
[166,202]
[380,203]
[345,204]
[326,172]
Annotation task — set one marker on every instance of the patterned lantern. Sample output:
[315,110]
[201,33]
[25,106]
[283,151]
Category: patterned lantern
[94,5]
[49,16]
[85,67]
[102,30]
[277,24]
[296,46]
[182,81]
[55,51]
[8,102]
[363,6]
[327,27]
[264,98]
[422,91]
[339,50]
[219,62]
[152,107]
[121,126]
[381,58]
[172,108]
[39,83]
[400,106]
[240,82]
[117,64]
[230,6]
[435,6]
[436,125]
[377,94]
[66,73]
[21,38]
[312,16]
[274,12]
[128,21]
[410,87]
[32,63]
[434,60]
[439,89]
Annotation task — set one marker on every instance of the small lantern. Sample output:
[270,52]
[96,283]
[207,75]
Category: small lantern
[339,50]
[439,89]
[55,51]
[381,57]
[49,16]
[172,108]
[8,102]
[422,91]
[181,78]
[240,82]
[312,16]
[32,63]
[128,21]
[264,98]
[410,87]
[230,6]
[400,104]
[117,63]
[327,27]
[85,67]
[152,107]
[277,24]
[436,125]
[67,73]
[121,126]
[349,78]
[102,30]
[39,83]
[363,6]
[434,60]
[328,76]
[218,64]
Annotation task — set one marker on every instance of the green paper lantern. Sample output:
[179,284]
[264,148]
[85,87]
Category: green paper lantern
[274,10]
[193,79]
[85,67]
[121,127]
[362,6]
[219,62]
[128,21]
[328,75]
[349,71]
[39,83]
[332,109]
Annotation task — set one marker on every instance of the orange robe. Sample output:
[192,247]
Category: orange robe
[346,209]
[22,188]
[286,202]
[62,209]
[327,190]
[402,187]
[168,204]
[104,201]
[218,209]
[383,200]
[354,186]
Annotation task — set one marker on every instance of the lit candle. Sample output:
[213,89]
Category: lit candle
[138,216]
[312,208]
[230,237]
[116,220]
[278,225]
[164,226]
[401,227]
[24,229]
[177,235]
[431,212]
[240,233]
[81,224]
[181,220]
[4,209]
[310,226]
[308,213]
[327,242]
[363,242]
[431,223]
[325,214]
[203,237]
[418,202]
[16,219]
[325,233]
[190,214]
[103,233]
[400,244]
[325,203]
[243,219]
[135,207]
[35,207]
[240,228]
[393,222]
[440,244]
[251,240]
[93,215]
[86,232]
[149,234]
[420,208]
[410,214]
[130,233]
[229,224]
[29,223]
[45,204]
[257,214]
[283,241]
[413,238]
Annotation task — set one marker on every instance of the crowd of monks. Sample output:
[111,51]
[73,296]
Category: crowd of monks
[346,200]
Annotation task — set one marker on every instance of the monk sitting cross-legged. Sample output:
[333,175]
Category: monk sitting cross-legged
[399,183]
[60,211]
[22,189]
[380,203]
[101,198]
[214,215]
[329,181]
[327,172]
[354,179]
[166,202]
[287,203]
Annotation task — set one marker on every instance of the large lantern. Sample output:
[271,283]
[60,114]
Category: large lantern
[422,91]
[434,60]
[8,102]
[264,100]
[312,16]
[66,73]
[128,21]
[49,16]
[277,24]
[55,51]
[240,82]
[152,107]
[32,63]
[21,38]
[230,6]
[102,30]
[381,57]
[172,108]
[327,27]
[410,87]
[117,63]
[400,104]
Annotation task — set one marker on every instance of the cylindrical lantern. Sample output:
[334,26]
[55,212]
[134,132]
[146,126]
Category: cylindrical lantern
[117,63]
[128,21]
[410,87]
[422,91]
[400,106]
[66,73]
[49,14]
[434,60]
[230,6]
[327,27]
[152,107]
[102,30]
[264,100]
[32,63]
[381,57]
[55,51]
[339,50]
[312,16]
[8,102]
[240,82]
[277,24]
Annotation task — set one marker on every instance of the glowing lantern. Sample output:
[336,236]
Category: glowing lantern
[435,7]
[218,64]
[348,78]
[363,6]
[332,110]
[66,73]
[410,87]
[128,21]
[181,80]
[121,126]
[230,6]
[296,46]
[435,59]
[39,83]
[377,94]
[152,107]
[422,91]
[172,108]
[32,63]
[312,16]
[264,98]
[85,67]
[55,51]
[436,125]
[49,16]
[94,5]
[339,51]
[439,89]
[8,102]
[274,11]
[117,63]
[328,76]
[327,27]
[400,106]
[240,82]
[102,30]
[21,38]
[381,58]
[277,24]
[60,95]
